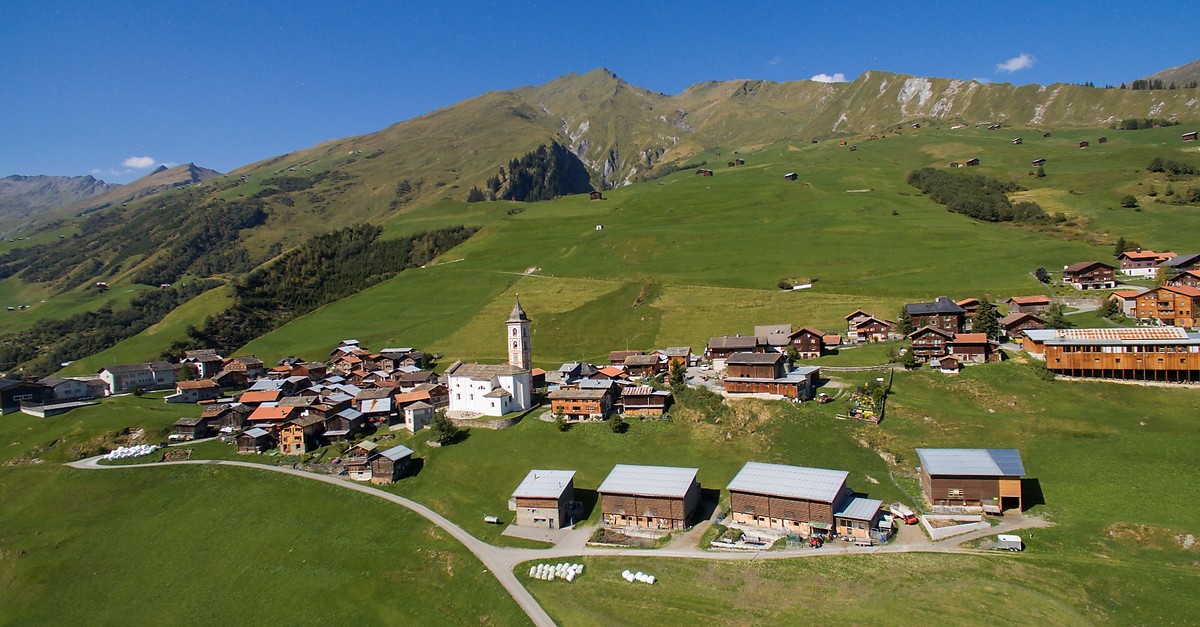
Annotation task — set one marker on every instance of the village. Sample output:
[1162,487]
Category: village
[343,416]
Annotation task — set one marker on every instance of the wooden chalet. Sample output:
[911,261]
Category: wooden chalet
[1014,323]
[357,460]
[343,426]
[723,347]
[794,499]
[255,398]
[1189,278]
[652,497]
[610,373]
[942,313]
[194,428]
[1142,353]
[545,499]
[969,305]
[1089,275]
[642,365]
[930,342]
[772,337]
[270,415]
[985,478]
[1170,305]
[766,373]
[704,172]
[644,401]
[808,342]
[1182,262]
[947,364]
[1028,304]
[871,329]
[1142,263]
[577,404]
[390,465]
[204,363]
[973,348]
[254,440]
[299,435]
[677,355]
[617,358]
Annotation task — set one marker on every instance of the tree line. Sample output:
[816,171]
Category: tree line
[324,269]
[41,350]
[1136,124]
[979,197]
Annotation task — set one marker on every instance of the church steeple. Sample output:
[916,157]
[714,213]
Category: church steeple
[519,353]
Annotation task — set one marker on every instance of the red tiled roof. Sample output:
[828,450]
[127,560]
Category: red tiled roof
[1185,290]
[202,384]
[267,412]
[1126,294]
[970,338]
[1031,300]
[260,396]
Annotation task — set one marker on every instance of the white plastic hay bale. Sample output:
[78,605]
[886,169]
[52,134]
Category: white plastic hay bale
[650,579]
[570,575]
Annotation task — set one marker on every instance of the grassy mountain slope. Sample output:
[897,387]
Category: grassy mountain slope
[1180,74]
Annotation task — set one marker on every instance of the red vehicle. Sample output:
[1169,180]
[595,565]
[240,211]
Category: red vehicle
[903,512]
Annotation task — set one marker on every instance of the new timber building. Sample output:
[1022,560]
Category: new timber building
[652,497]
[972,477]
[544,499]
[794,499]
[1144,353]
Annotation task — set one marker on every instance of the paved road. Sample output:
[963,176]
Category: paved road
[502,560]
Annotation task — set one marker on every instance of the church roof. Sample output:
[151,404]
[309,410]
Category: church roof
[518,314]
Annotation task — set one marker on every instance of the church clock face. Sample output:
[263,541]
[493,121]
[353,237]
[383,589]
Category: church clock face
[515,344]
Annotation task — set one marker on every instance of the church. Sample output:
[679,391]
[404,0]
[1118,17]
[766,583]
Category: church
[495,390]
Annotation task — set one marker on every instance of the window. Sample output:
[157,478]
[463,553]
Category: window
[954,493]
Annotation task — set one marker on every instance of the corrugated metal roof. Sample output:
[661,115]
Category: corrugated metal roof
[1111,335]
[544,484]
[397,452]
[972,462]
[666,481]
[256,432]
[859,508]
[797,482]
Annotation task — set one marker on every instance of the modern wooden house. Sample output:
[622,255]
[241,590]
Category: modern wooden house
[986,478]
[390,465]
[651,497]
[644,401]
[1089,275]
[1143,353]
[1187,278]
[254,441]
[941,313]
[1028,304]
[1169,305]
[930,342]
[794,499]
[545,498]
[581,404]
[766,373]
[677,355]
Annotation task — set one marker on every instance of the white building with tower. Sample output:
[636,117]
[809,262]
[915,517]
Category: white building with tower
[495,390]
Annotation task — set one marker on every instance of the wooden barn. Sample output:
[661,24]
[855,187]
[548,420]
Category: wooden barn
[644,401]
[766,373]
[389,466]
[545,498]
[652,497]
[987,478]
[253,441]
[357,460]
[794,499]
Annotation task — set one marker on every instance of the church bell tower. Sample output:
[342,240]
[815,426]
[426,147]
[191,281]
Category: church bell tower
[519,353]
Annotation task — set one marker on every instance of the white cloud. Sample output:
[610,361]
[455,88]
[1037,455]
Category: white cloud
[1022,61]
[775,61]
[139,163]
[836,77]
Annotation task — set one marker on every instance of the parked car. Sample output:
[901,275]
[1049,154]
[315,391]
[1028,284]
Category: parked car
[903,512]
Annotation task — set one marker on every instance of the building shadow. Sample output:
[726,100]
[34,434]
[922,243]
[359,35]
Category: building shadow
[588,500]
[1031,493]
[414,467]
[710,499]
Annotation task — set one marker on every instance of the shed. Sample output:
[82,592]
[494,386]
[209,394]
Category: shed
[253,441]
[390,465]
[857,517]
[654,497]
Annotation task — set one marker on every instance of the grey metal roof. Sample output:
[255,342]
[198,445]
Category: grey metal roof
[754,359]
[578,395]
[256,432]
[518,313]
[735,342]
[972,462]
[397,452]
[940,305]
[797,482]
[859,508]
[665,481]
[544,484]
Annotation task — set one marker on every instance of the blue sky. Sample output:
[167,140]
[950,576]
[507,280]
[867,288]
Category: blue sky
[114,89]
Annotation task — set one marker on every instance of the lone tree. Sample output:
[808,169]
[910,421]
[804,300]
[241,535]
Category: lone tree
[444,431]
[904,324]
[560,422]
[1120,247]
[1110,309]
[677,375]
[1129,201]
[987,318]
[1055,318]
[1042,275]
[618,425]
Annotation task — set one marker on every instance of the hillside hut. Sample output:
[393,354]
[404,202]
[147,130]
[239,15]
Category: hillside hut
[597,196]
[1189,137]
[1103,140]
[1084,144]
[791,176]
[973,161]
[1037,163]
[1017,140]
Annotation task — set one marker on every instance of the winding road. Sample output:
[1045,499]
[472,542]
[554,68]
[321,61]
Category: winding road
[502,560]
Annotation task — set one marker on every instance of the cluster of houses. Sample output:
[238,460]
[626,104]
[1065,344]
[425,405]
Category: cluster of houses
[588,392]
[784,499]
[1141,264]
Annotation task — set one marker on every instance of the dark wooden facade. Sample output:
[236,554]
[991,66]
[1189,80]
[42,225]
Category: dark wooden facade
[973,491]
[1089,275]
[930,343]
[788,514]
[630,510]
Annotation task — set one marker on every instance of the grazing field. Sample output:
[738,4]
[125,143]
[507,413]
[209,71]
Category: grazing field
[226,545]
